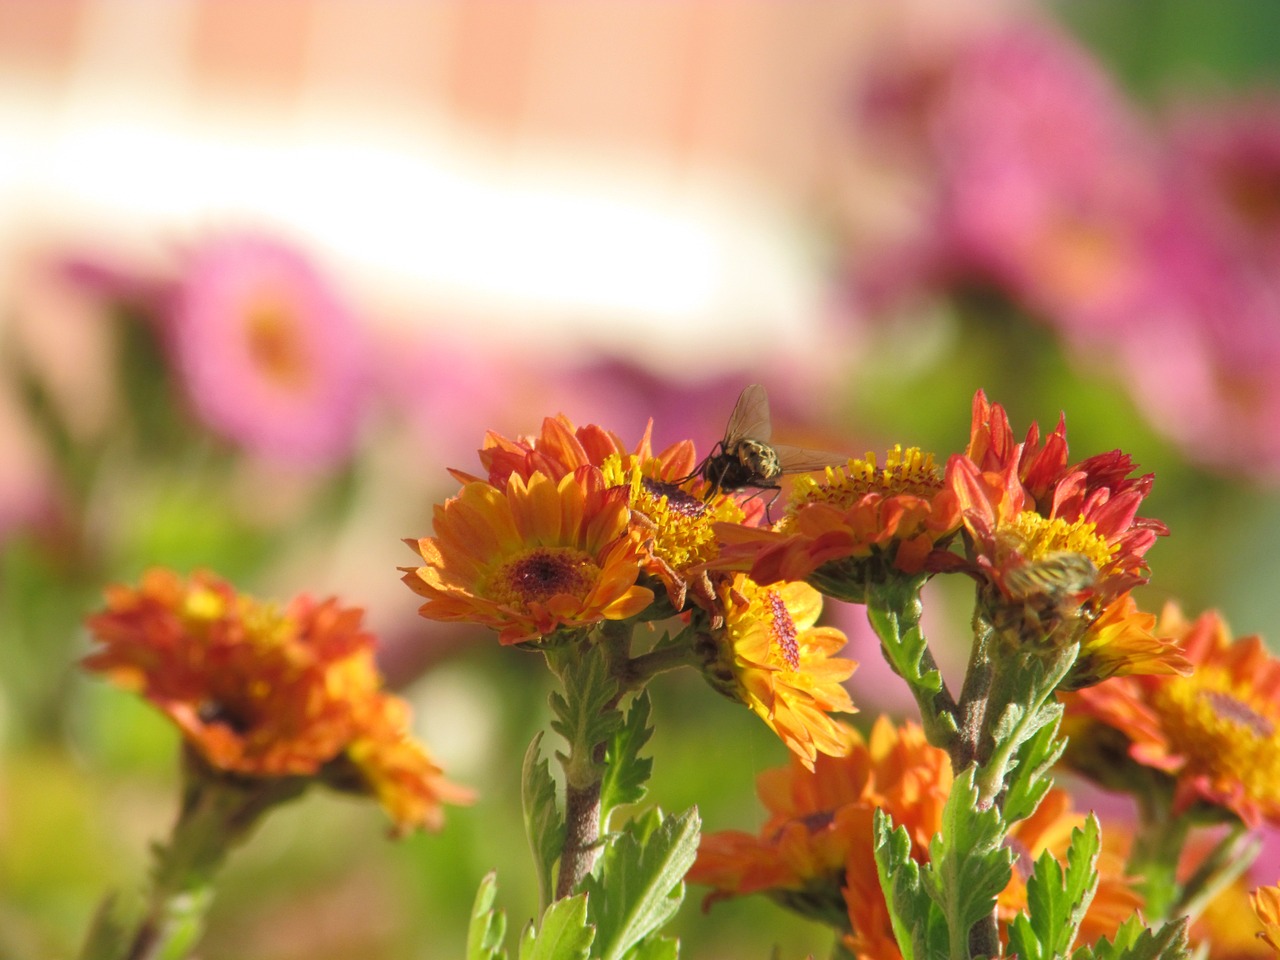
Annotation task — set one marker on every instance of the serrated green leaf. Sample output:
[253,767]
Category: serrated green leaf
[583,714]
[904,648]
[488,928]
[543,824]
[640,880]
[1029,779]
[1134,941]
[625,771]
[969,863]
[918,924]
[1057,899]
[562,935]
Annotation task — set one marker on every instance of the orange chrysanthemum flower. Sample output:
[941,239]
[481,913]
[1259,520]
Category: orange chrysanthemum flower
[815,852]
[770,656]
[533,558]
[262,691]
[1216,732]
[850,528]
[820,818]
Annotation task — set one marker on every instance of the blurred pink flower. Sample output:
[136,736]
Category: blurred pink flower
[270,355]
[1048,174]
[1154,256]
[1228,154]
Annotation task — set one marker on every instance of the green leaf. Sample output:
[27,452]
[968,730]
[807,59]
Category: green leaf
[1056,901]
[904,648]
[640,880]
[488,928]
[584,713]
[1134,941]
[625,771]
[918,923]
[543,824]
[969,863]
[1029,779]
[562,935]
[655,948]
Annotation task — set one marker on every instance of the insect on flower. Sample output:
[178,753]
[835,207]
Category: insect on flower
[746,457]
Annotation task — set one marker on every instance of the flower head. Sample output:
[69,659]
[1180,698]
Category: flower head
[857,525]
[266,692]
[1053,546]
[532,558]
[270,356]
[1215,733]
[770,656]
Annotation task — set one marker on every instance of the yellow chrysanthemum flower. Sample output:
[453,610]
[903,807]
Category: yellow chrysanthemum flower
[673,525]
[770,656]
[533,558]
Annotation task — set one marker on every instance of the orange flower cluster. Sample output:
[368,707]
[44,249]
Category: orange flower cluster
[815,852]
[856,526]
[571,528]
[1215,733]
[260,691]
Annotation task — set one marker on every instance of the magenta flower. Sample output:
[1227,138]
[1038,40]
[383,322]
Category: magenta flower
[271,357]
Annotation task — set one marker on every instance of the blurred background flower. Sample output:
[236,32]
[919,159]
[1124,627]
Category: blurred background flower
[266,270]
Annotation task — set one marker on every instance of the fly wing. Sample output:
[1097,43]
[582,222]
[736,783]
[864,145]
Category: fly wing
[750,418]
[799,460]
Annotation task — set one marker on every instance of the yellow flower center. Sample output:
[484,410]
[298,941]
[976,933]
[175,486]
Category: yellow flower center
[542,573]
[904,471]
[276,345]
[677,524]
[1223,731]
[1039,538]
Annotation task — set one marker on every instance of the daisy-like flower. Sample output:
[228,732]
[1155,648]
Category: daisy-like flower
[531,558]
[770,656]
[815,852]
[855,526]
[820,817]
[265,692]
[270,355]
[672,512]
[1215,733]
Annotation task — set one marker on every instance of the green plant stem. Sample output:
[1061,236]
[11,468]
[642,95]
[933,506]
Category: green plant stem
[217,812]
[1154,856]
[581,836]
[971,711]
[638,671]
[894,612]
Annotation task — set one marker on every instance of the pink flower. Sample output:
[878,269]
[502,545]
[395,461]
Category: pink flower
[270,355]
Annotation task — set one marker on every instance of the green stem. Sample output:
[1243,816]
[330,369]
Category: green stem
[1233,855]
[217,812]
[972,708]
[894,612]
[1154,857]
